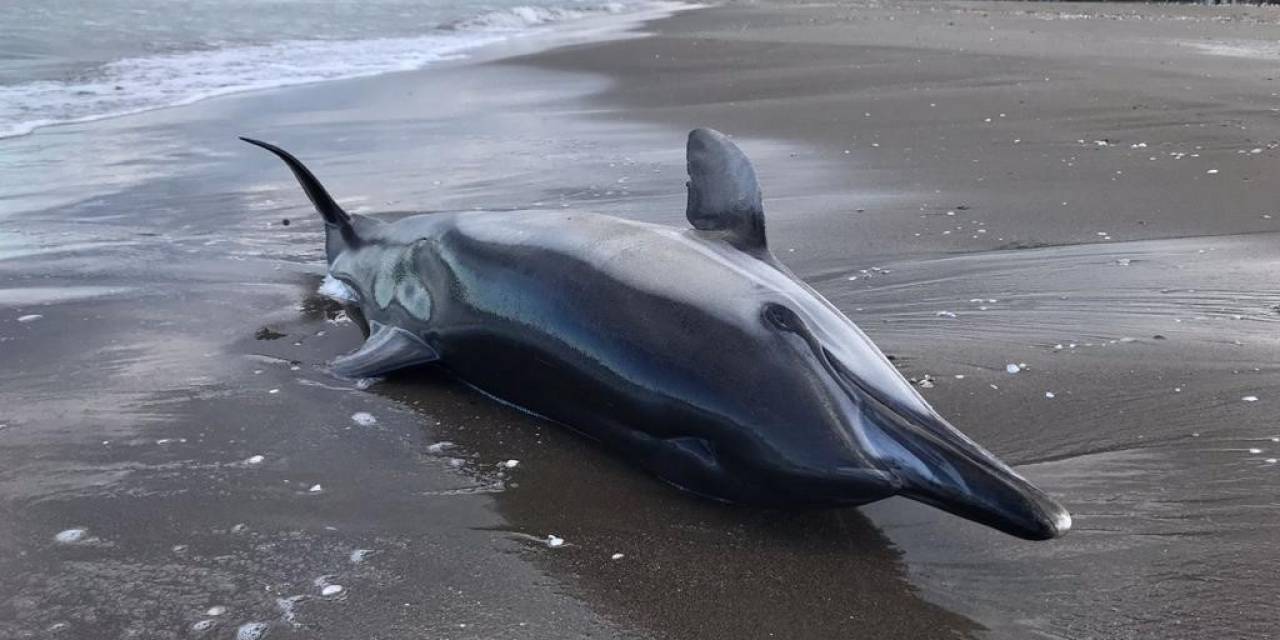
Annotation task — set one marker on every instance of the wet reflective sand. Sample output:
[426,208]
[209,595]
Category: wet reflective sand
[168,469]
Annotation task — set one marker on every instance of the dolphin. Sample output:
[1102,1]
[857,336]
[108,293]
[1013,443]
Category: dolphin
[694,352]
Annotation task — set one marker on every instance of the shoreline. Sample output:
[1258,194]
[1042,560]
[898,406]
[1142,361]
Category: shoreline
[490,45]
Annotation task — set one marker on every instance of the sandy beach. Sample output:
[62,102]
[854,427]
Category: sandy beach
[1084,190]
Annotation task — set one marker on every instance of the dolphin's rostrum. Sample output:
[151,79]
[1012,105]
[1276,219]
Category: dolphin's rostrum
[694,352]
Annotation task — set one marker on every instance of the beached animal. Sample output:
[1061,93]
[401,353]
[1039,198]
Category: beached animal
[693,352]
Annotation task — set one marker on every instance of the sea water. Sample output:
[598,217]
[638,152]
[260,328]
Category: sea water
[77,60]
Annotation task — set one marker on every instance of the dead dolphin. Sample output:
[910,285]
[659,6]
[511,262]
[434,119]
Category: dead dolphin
[694,352]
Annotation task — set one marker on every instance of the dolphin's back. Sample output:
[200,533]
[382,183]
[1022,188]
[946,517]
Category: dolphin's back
[637,335]
[651,301]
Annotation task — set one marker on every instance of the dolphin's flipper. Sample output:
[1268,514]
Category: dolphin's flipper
[387,349]
[723,193]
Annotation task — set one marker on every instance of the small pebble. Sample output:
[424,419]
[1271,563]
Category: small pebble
[254,460]
[1049,394]
[439,447]
[331,590]
[71,536]
[1012,368]
[616,556]
[315,488]
[216,611]
[510,464]
[1250,398]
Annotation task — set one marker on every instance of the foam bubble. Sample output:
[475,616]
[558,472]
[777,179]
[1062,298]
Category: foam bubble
[359,555]
[331,590]
[364,419]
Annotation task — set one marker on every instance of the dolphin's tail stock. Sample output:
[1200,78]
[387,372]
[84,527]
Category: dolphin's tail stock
[335,218]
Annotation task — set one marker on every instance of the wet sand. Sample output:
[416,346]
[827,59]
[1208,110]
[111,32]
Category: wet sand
[154,250]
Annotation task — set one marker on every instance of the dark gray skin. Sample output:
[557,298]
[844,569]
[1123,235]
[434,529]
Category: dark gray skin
[694,352]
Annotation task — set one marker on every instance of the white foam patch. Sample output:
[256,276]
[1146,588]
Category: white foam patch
[336,290]
[252,631]
[288,609]
[1256,49]
[364,419]
[439,447]
[331,590]
[30,318]
[520,18]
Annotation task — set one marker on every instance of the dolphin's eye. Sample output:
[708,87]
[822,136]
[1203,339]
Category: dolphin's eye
[781,318]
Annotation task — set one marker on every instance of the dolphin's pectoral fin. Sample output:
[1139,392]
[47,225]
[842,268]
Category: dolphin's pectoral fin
[723,193]
[387,349]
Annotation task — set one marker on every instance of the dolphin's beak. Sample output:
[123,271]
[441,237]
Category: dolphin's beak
[926,458]
[935,464]
[939,466]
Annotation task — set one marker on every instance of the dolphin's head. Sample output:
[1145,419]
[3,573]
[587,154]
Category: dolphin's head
[832,420]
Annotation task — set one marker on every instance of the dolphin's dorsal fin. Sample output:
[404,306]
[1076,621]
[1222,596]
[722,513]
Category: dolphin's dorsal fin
[724,196]
[387,349]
